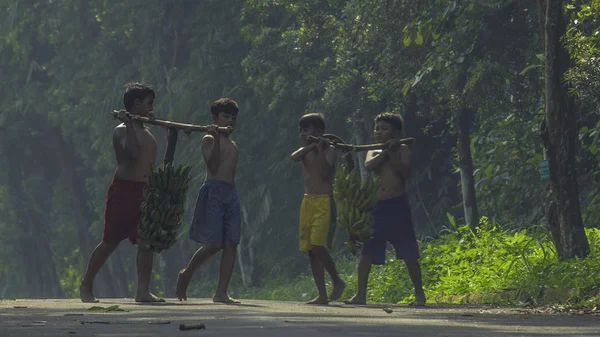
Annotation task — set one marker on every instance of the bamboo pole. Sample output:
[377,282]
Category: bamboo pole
[366,147]
[173,125]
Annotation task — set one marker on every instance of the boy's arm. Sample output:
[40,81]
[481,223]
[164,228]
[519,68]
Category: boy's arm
[125,141]
[327,160]
[299,154]
[402,161]
[211,149]
[375,159]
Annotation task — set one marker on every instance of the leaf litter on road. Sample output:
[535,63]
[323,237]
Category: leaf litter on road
[111,308]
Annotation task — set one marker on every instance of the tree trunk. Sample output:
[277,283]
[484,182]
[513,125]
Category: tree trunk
[40,270]
[245,279]
[82,214]
[171,262]
[48,278]
[561,139]
[119,276]
[465,163]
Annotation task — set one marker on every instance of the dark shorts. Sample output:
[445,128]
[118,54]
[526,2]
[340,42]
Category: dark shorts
[122,214]
[393,223]
[217,217]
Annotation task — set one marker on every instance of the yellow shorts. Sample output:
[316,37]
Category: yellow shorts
[317,221]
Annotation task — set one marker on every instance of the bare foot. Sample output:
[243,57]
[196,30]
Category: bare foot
[319,300]
[419,300]
[148,298]
[338,289]
[357,300]
[86,295]
[224,299]
[182,284]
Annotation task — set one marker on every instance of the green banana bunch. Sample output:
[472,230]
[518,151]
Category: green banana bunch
[163,205]
[355,200]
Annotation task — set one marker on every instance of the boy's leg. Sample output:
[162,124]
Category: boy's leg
[414,271]
[232,229]
[327,262]
[225,271]
[318,271]
[364,269]
[97,260]
[206,228]
[202,255]
[144,260]
[402,237]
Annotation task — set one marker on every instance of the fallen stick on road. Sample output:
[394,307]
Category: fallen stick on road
[159,322]
[184,327]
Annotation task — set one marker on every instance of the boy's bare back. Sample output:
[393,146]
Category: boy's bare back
[393,171]
[223,165]
[137,165]
[318,170]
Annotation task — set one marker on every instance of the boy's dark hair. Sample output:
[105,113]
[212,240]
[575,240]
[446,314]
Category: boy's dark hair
[136,90]
[226,105]
[315,119]
[395,119]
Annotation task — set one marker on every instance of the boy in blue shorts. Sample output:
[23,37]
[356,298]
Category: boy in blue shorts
[216,223]
[317,212]
[392,212]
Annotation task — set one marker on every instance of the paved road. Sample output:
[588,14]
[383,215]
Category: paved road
[288,319]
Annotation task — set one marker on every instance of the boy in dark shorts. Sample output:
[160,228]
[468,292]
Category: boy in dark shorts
[317,212]
[217,218]
[392,212]
[135,151]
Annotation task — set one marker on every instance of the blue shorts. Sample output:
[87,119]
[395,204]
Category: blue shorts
[393,223]
[217,213]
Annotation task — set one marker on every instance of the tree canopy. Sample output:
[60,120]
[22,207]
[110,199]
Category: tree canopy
[436,62]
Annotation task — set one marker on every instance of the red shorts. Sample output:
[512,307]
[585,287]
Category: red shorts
[122,213]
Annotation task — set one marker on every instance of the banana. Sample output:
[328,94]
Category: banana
[163,205]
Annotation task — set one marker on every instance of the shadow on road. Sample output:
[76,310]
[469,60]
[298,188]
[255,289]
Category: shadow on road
[288,319]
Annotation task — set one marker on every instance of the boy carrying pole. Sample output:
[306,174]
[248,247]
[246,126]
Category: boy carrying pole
[317,212]
[217,219]
[135,151]
[392,214]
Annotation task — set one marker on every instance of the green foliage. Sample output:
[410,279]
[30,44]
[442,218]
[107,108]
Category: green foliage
[63,69]
[490,265]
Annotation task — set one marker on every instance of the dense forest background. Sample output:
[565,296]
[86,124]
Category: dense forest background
[469,77]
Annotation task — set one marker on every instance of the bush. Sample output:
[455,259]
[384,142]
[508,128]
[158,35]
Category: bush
[489,265]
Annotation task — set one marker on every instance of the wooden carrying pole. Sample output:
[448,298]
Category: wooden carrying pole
[173,125]
[366,147]
[173,130]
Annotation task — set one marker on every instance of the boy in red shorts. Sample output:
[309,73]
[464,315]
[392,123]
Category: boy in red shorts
[135,151]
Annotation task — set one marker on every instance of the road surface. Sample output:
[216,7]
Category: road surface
[271,318]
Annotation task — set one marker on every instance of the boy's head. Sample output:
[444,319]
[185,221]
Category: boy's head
[224,112]
[388,125]
[139,99]
[312,124]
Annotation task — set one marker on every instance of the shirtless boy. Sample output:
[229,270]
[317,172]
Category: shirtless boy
[317,212]
[135,151]
[217,219]
[392,212]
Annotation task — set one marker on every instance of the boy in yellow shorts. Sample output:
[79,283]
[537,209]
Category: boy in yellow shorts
[317,212]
